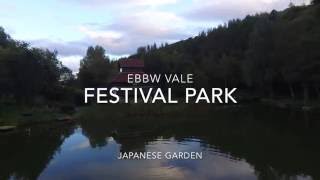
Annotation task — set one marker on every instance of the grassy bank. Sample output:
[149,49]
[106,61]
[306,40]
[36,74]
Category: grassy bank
[18,115]
[15,115]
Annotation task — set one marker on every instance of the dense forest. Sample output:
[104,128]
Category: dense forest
[268,55]
[274,54]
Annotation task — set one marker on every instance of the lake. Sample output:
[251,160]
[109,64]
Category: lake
[236,143]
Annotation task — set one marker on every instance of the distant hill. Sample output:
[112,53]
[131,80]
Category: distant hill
[270,54]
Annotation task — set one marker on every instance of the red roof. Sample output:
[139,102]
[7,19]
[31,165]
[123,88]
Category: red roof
[123,77]
[135,63]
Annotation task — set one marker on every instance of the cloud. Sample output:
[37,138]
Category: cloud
[64,48]
[72,62]
[69,53]
[127,3]
[155,24]
[127,33]
[123,36]
[205,10]
[135,23]
[7,7]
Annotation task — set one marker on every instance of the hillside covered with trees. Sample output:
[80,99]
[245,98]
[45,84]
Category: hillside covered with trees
[268,55]
[274,54]
[31,75]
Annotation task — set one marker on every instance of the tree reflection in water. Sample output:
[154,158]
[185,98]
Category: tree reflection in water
[273,143]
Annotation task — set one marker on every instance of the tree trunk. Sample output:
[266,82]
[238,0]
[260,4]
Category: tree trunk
[271,93]
[306,119]
[305,93]
[317,88]
[292,94]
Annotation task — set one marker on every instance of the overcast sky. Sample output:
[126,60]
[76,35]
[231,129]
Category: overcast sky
[120,26]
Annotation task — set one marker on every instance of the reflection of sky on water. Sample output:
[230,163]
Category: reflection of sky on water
[76,159]
[212,166]
[248,147]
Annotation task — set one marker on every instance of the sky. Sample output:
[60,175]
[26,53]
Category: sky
[120,26]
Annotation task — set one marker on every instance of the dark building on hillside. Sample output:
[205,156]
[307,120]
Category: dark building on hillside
[131,66]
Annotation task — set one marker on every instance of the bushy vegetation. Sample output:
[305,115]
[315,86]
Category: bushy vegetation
[30,75]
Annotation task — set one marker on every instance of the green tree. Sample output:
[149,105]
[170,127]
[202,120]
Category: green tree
[27,73]
[95,68]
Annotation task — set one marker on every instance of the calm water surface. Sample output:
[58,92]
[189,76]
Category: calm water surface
[236,144]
